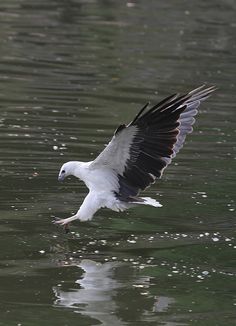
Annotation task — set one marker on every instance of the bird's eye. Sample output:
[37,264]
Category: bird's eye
[63,171]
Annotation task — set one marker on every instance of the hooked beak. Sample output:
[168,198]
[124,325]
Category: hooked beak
[61,177]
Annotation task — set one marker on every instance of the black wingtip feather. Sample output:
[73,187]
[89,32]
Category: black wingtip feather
[161,132]
[173,102]
[139,114]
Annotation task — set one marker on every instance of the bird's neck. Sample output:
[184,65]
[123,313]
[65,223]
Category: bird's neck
[79,169]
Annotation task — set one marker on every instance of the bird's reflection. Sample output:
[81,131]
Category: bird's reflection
[100,293]
[97,289]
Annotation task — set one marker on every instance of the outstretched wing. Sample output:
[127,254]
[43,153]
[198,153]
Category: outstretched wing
[139,152]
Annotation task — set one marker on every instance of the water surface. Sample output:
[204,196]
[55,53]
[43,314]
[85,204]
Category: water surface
[70,72]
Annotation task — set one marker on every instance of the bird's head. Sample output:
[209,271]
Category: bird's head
[66,170]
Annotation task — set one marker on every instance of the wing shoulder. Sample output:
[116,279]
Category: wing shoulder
[117,152]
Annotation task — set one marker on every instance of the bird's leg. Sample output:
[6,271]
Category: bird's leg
[86,211]
[65,222]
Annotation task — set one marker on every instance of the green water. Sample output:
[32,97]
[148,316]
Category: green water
[70,72]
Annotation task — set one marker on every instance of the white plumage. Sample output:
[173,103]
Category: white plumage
[136,156]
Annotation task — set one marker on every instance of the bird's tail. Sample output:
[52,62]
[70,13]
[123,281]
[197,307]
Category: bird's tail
[147,201]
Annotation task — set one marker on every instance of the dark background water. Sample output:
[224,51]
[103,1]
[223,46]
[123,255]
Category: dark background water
[70,72]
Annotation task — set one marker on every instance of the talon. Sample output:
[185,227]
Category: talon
[60,221]
[65,222]
[56,220]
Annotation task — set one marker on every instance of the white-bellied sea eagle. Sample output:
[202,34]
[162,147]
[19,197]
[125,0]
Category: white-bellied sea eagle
[136,156]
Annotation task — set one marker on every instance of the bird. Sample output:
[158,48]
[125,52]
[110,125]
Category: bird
[136,156]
